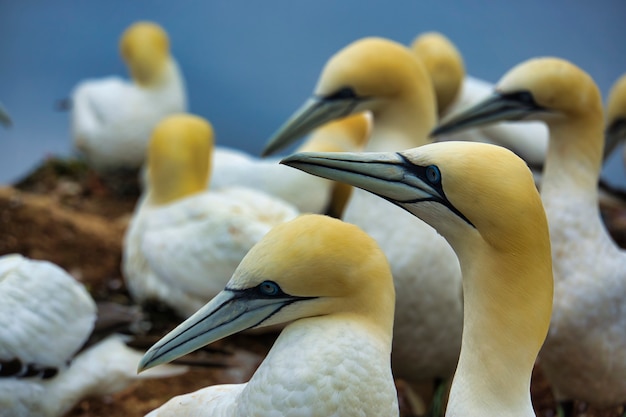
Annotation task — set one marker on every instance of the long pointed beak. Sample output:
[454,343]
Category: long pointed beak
[5,119]
[495,108]
[229,312]
[390,175]
[314,113]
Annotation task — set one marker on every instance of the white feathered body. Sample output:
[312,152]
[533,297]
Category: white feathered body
[309,194]
[428,320]
[184,253]
[318,367]
[45,318]
[112,118]
[584,355]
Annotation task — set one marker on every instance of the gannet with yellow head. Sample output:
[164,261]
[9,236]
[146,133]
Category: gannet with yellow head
[46,317]
[385,78]
[483,200]
[616,117]
[111,118]
[455,91]
[584,356]
[308,194]
[332,284]
[185,241]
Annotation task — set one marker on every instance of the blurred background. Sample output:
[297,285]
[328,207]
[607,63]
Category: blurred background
[249,64]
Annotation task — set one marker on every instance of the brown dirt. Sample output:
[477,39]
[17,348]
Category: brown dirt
[63,213]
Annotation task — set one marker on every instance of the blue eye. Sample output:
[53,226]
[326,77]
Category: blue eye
[432,174]
[269,288]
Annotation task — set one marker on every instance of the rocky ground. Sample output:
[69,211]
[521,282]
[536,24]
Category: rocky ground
[63,214]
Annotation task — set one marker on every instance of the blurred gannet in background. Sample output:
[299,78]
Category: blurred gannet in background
[5,119]
[111,118]
[45,318]
[456,91]
[584,357]
[470,192]
[184,241]
[385,78]
[616,117]
[309,194]
[332,284]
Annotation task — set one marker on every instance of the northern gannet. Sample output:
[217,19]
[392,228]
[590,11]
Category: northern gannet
[616,117]
[332,284]
[111,118]
[483,200]
[385,78]
[184,241]
[456,91]
[309,194]
[5,119]
[46,316]
[584,357]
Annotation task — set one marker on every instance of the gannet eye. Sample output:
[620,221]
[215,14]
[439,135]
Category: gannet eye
[344,93]
[433,175]
[269,288]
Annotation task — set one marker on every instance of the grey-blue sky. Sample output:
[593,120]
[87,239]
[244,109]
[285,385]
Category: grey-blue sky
[249,64]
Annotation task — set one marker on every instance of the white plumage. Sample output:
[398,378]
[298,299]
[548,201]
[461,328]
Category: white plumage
[385,78]
[184,241]
[332,284]
[45,318]
[112,118]
[584,356]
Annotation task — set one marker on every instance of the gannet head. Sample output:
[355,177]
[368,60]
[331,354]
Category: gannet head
[178,157]
[311,266]
[370,74]
[445,65]
[615,115]
[145,48]
[465,190]
[548,89]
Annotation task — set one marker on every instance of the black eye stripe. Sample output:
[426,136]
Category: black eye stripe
[524,97]
[342,94]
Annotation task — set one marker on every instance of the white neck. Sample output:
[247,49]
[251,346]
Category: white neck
[569,187]
[343,367]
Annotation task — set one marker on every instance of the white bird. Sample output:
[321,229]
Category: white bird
[309,194]
[332,284]
[5,119]
[385,78]
[483,200]
[111,118]
[184,241]
[616,117]
[45,319]
[456,91]
[584,357]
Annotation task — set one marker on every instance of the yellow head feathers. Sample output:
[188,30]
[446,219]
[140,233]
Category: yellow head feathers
[145,48]
[376,68]
[557,85]
[500,188]
[178,157]
[445,65]
[318,256]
